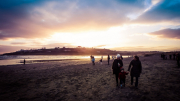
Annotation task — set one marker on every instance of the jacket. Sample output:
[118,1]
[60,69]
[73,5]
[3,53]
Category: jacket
[122,75]
[115,67]
[136,68]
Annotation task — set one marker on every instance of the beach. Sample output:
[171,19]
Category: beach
[79,80]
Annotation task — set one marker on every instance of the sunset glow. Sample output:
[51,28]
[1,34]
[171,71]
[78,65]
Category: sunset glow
[131,25]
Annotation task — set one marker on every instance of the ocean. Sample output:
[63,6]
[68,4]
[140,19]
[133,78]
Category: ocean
[18,59]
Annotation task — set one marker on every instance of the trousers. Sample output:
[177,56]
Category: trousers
[116,75]
[123,81]
[136,83]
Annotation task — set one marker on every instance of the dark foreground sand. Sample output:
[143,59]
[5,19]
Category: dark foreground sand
[79,80]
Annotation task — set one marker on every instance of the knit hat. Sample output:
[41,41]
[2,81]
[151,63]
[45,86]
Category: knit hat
[118,55]
[122,68]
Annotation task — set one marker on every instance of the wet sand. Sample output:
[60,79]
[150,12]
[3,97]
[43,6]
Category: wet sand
[80,80]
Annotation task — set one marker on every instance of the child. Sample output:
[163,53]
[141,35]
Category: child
[93,60]
[122,77]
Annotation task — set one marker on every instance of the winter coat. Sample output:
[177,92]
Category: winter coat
[122,75]
[136,69]
[115,67]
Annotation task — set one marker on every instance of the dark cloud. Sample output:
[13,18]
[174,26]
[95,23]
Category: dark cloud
[164,11]
[167,33]
[15,20]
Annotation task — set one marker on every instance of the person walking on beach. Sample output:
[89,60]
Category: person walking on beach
[24,61]
[121,57]
[100,61]
[108,58]
[178,58]
[170,56]
[117,65]
[174,56]
[122,77]
[93,60]
[135,70]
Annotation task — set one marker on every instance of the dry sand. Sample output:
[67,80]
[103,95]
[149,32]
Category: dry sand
[80,80]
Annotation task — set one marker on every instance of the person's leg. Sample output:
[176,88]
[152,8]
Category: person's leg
[124,82]
[136,84]
[116,79]
[131,80]
[121,81]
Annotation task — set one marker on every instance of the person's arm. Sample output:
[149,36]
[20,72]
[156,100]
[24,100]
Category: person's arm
[130,66]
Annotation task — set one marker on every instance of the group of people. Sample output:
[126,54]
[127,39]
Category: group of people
[119,72]
[100,61]
[135,67]
[172,56]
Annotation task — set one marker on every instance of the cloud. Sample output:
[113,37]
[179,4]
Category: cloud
[167,33]
[164,11]
[18,43]
[42,18]
[100,46]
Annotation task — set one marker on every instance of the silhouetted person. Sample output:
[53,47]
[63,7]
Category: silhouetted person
[121,57]
[24,61]
[170,56]
[174,56]
[108,58]
[163,56]
[116,66]
[135,70]
[178,58]
[100,60]
[93,60]
[91,56]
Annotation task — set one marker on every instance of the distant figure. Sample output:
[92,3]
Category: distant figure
[170,56]
[91,57]
[117,65]
[163,56]
[24,61]
[108,58]
[174,56]
[100,61]
[121,57]
[122,77]
[93,60]
[178,58]
[101,57]
[135,70]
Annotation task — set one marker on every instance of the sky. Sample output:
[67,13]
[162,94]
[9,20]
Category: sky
[122,25]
